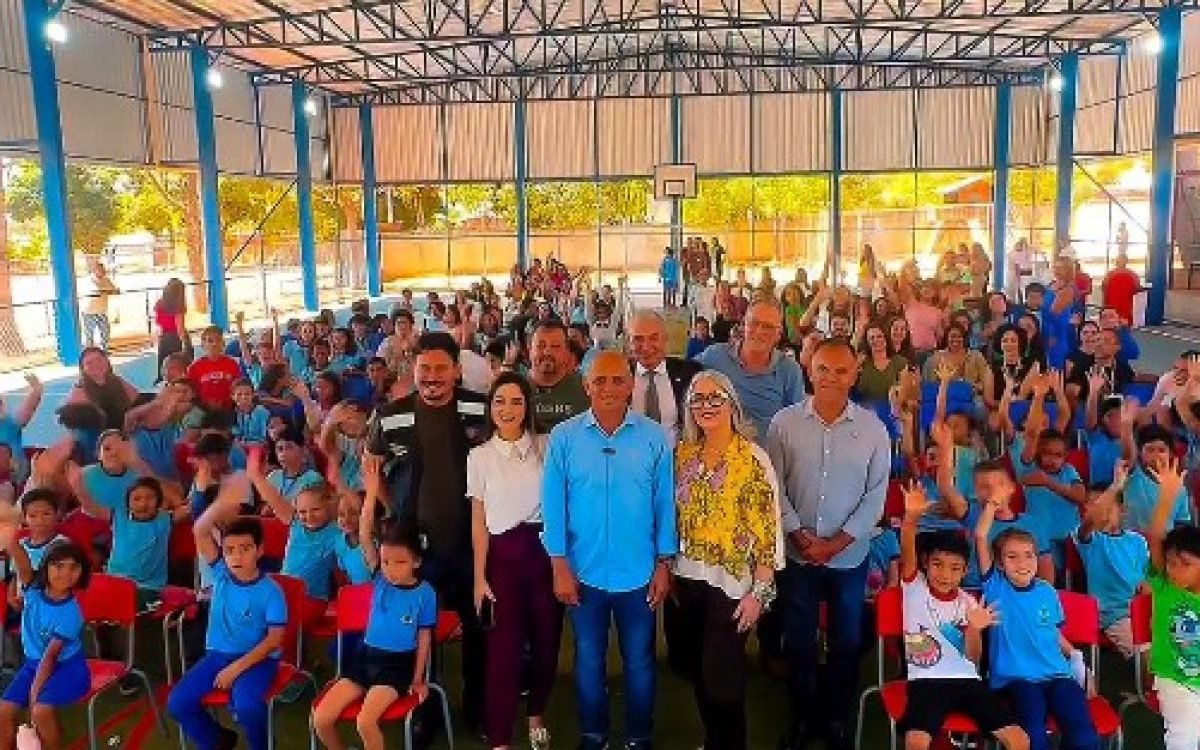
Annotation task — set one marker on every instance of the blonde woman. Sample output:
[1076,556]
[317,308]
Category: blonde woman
[730,545]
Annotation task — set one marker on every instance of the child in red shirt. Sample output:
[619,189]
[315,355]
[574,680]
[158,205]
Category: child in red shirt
[215,372]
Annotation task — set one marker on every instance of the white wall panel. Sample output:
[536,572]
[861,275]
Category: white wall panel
[1140,69]
[1189,61]
[955,128]
[96,125]
[1187,112]
[716,133]
[1027,137]
[16,115]
[235,99]
[346,145]
[791,133]
[560,139]
[633,135]
[177,131]
[13,55]
[1097,80]
[1136,125]
[479,142]
[1096,128]
[279,152]
[237,150]
[407,144]
[878,130]
[99,57]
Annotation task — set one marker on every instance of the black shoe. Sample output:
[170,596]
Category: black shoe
[129,685]
[228,739]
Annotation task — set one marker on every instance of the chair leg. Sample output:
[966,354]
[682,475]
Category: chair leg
[158,717]
[91,722]
[408,733]
[445,714]
[862,710]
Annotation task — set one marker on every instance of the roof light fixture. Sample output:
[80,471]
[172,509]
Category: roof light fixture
[1056,82]
[1152,43]
[56,31]
[214,79]
[310,107]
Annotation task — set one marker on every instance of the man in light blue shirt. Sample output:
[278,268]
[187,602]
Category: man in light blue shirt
[608,505]
[832,458]
[765,379]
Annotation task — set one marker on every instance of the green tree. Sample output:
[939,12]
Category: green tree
[91,199]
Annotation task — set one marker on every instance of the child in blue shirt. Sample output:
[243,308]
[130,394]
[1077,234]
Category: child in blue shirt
[1114,561]
[344,352]
[341,438]
[312,536]
[55,671]
[12,427]
[1153,450]
[668,273]
[249,418]
[393,657]
[247,618]
[1103,436]
[293,475]
[1029,658]
[39,511]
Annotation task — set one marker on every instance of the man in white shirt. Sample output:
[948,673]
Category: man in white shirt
[94,291]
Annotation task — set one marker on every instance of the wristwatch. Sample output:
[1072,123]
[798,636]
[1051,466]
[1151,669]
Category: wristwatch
[765,592]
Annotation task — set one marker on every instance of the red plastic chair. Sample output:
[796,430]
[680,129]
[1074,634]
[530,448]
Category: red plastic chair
[178,604]
[353,610]
[1079,459]
[275,536]
[1140,611]
[1081,626]
[291,652]
[893,503]
[112,600]
[889,623]
[1073,563]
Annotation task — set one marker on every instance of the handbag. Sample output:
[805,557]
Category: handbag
[27,738]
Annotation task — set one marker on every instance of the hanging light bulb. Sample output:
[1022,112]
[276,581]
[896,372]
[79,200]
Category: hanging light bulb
[1056,82]
[1152,44]
[310,107]
[214,79]
[56,31]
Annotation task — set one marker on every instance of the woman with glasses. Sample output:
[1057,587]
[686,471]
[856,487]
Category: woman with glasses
[730,545]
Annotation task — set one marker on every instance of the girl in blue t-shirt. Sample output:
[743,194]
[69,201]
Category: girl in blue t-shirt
[391,661]
[55,672]
[249,417]
[345,355]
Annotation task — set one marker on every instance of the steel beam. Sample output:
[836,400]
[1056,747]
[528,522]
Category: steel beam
[53,160]
[835,191]
[366,131]
[1001,156]
[1162,170]
[210,205]
[1065,161]
[520,178]
[676,139]
[304,210]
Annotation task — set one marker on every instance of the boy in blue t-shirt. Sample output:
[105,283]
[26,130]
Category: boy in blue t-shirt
[1103,436]
[1153,449]
[1114,562]
[247,618]
[1030,659]
[12,427]
[668,273]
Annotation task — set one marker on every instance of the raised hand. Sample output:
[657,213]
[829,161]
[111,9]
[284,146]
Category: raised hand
[1120,475]
[1169,475]
[1097,379]
[32,379]
[944,372]
[940,432]
[1054,379]
[1193,367]
[1129,412]
[982,617]
[915,502]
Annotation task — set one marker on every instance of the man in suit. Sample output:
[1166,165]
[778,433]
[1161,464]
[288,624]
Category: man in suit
[659,381]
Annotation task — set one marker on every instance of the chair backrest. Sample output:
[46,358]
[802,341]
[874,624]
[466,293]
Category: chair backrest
[1140,611]
[109,599]
[448,627]
[275,536]
[893,503]
[294,595]
[354,607]
[889,613]
[181,545]
[1082,618]
[1079,459]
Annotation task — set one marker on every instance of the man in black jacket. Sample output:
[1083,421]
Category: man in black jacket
[420,444]
[660,382]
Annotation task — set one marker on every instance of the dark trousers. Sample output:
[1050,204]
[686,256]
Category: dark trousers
[705,636]
[526,612]
[1063,699]
[96,330]
[453,580]
[822,696]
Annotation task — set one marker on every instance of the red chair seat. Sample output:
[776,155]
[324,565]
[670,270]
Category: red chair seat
[1104,717]
[174,598]
[283,677]
[448,627]
[400,708]
[326,627]
[103,673]
[1152,701]
[895,700]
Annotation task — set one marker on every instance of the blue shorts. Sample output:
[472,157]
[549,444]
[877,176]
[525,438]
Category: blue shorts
[68,683]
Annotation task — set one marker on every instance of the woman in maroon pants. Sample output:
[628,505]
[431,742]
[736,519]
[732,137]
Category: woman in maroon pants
[513,578]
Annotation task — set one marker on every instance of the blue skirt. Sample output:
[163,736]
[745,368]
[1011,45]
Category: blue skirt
[68,683]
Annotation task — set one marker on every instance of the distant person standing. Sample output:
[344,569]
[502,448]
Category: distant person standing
[718,252]
[170,321]
[668,274]
[94,291]
[1120,286]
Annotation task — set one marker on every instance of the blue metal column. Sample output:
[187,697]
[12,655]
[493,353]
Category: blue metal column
[1001,156]
[54,180]
[1065,163]
[366,130]
[676,158]
[1162,170]
[835,189]
[210,205]
[308,241]
[521,168]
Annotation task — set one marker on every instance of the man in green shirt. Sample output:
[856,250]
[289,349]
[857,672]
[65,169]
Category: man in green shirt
[558,391]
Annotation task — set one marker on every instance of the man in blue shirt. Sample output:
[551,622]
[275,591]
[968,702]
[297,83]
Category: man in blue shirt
[608,505]
[833,459]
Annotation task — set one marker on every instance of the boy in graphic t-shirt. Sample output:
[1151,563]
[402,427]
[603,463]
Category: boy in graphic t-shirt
[943,638]
[215,372]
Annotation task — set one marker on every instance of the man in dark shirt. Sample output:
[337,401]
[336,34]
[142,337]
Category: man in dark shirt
[558,391]
[420,443]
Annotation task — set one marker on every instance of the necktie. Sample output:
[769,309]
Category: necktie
[653,408]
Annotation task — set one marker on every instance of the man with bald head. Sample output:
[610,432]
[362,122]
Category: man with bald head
[659,381]
[766,380]
[608,509]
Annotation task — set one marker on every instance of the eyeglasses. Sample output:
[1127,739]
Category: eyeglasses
[714,400]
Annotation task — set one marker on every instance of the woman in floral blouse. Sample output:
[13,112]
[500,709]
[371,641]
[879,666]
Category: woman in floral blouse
[730,545]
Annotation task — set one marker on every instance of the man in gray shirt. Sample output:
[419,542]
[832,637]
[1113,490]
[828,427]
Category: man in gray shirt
[833,459]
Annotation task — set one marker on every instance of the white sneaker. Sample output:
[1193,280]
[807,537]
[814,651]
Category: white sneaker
[539,738]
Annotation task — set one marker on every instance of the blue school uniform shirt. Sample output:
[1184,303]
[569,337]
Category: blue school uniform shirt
[251,427]
[668,271]
[350,560]
[44,620]
[108,490]
[885,547]
[1103,453]
[157,449]
[398,613]
[1023,644]
[310,557]
[1114,565]
[932,520]
[1022,521]
[1057,515]
[296,356]
[139,550]
[339,363]
[37,552]
[242,611]
[291,486]
[1141,495]
[12,435]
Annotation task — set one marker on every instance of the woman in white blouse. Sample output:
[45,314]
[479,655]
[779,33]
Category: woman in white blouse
[513,577]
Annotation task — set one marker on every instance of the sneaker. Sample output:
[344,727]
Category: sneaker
[539,738]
